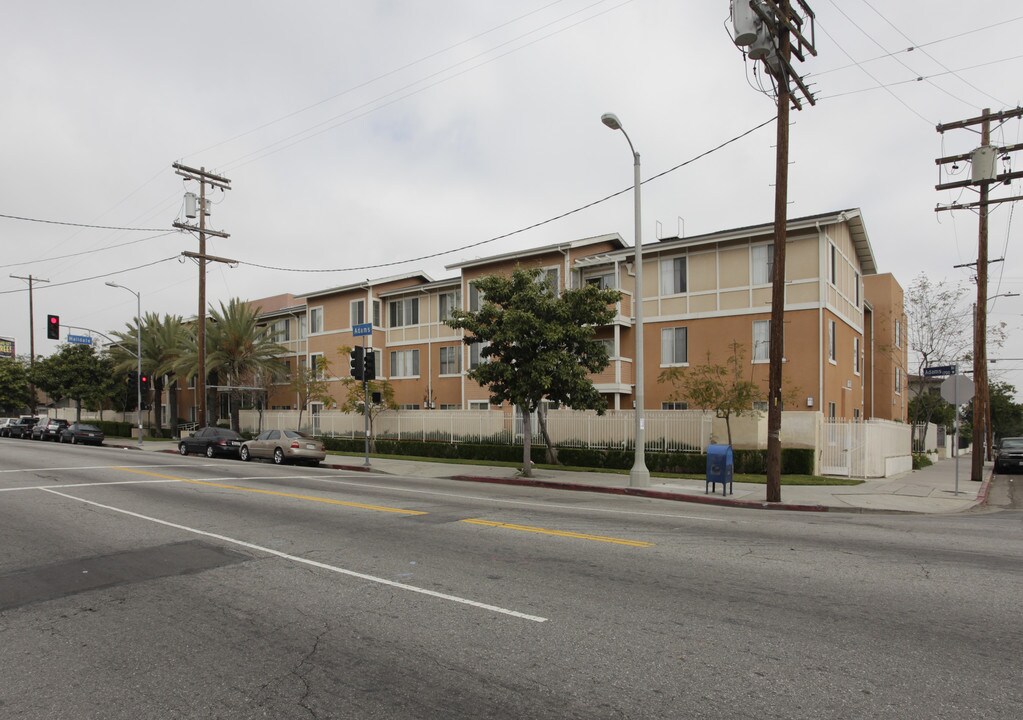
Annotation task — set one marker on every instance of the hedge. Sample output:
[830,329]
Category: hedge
[794,461]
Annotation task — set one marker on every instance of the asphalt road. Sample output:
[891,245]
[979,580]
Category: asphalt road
[152,586]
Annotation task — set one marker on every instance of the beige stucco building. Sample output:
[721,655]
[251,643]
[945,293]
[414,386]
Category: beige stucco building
[704,298]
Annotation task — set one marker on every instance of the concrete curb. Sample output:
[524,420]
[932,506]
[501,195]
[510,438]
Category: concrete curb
[643,492]
[985,488]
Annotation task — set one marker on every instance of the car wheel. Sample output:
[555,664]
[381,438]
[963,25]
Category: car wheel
[74,440]
[182,448]
[278,456]
[209,451]
[244,454]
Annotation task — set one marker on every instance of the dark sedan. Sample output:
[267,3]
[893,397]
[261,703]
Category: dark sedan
[1009,457]
[80,433]
[212,441]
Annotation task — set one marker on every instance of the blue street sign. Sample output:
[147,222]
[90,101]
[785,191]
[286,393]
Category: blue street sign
[362,329]
[939,370]
[79,339]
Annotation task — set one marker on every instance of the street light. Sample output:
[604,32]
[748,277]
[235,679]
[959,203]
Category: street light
[639,476]
[138,354]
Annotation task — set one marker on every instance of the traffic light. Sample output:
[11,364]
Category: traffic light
[370,366]
[53,327]
[358,363]
[144,381]
[133,377]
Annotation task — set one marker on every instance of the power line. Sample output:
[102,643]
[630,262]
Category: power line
[89,252]
[96,277]
[923,77]
[520,230]
[82,225]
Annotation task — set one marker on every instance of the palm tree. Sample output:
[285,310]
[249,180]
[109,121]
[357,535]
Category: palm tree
[238,350]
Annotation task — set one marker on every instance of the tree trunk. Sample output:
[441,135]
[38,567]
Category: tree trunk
[78,410]
[372,436]
[728,427]
[172,401]
[235,405]
[527,443]
[552,452]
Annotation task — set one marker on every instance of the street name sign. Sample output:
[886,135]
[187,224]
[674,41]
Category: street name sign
[939,370]
[362,329]
[957,389]
[79,339]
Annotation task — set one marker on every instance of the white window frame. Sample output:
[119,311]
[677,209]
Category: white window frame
[856,355]
[833,276]
[454,358]
[832,342]
[475,298]
[603,279]
[832,410]
[476,354]
[761,341]
[856,289]
[479,405]
[316,320]
[669,346]
[403,312]
[404,363]
[357,312]
[674,405]
[668,276]
[302,322]
[609,345]
[898,333]
[454,302]
[761,264]
[376,314]
[898,380]
[318,375]
[552,276]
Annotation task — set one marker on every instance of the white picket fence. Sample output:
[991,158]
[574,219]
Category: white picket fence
[870,449]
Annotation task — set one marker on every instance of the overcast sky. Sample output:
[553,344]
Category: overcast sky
[364,133]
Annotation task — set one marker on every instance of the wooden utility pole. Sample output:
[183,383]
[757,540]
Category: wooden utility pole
[31,331]
[203,178]
[983,175]
[777,34]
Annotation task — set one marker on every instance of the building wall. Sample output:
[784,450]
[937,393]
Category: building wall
[891,359]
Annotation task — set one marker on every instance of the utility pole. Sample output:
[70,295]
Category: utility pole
[203,178]
[31,331]
[768,28]
[983,174]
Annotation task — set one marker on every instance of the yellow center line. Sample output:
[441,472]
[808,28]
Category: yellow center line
[296,496]
[558,533]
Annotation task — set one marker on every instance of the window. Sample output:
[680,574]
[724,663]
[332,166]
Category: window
[479,404]
[377,360]
[449,301]
[674,346]
[674,406]
[832,409]
[376,313]
[315,320]
[898,333]
[358,312]
[450,360]
[609,346]
[834,265]
[832,341]
[301,327]
[450,406]
[761,406]
[476,354]
[856,355]
[552,277]
[898,381]
[605,280]
[280,330]
[856,288]
[409,406]
[763,264]
[404,312]
[475,299]
[673,276]
[191,383]
[761,340]
[404,363]
[316,363]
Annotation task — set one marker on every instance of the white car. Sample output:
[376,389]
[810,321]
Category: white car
[284,446]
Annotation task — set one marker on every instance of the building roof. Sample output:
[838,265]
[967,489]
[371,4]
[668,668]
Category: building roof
[614,238]
[368,283]
[455,281]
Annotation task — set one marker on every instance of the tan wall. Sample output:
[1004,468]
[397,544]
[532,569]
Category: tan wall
[889,354]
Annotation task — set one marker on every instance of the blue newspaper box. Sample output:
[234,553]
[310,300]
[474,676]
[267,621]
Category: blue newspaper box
[719,468]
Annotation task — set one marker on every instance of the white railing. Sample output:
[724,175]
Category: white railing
[871,449]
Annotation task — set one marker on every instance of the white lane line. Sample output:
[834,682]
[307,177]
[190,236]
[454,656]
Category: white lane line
[529,503]
[306,561]
[93,484]
[102,467]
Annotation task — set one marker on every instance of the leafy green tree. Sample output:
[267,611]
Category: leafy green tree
[15,392]
[712,386]
[355,400]
[310,385]
[539,344]
[1006,413]
[74,372]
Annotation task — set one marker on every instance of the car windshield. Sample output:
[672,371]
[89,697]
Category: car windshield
[1012,444]
[297,434]
[91,428]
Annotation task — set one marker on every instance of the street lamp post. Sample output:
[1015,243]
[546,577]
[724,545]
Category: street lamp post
[639,476]
[138,354]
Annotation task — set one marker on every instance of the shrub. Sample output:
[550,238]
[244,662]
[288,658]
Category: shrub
[920,460]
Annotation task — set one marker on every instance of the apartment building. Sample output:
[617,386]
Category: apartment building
[704,298]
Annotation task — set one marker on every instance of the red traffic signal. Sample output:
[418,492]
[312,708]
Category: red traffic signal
[144,381]
[53,327]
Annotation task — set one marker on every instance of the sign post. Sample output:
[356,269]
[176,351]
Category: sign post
[362,330]
[957,389]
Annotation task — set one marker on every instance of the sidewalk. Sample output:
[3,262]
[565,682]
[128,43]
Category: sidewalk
[929,490]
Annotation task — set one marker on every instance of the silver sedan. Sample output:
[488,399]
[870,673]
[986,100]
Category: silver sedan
[284,446]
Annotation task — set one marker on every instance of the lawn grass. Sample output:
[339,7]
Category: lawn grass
[743,478]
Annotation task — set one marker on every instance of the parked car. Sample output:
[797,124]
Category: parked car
[1009,455]
[5,423]
[48,429]
[284,446]
[76,433]
[21,428]
[212,441]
